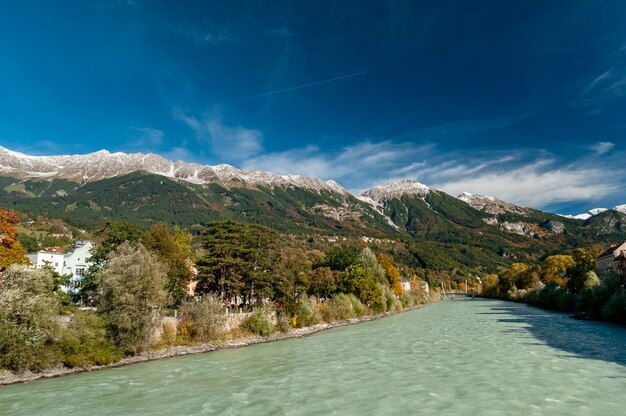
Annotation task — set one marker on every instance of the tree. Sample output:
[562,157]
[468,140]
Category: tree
[580,271]
[11,251]
[554,267]
[359,280]
[29,243]
[132,286]
[392,274]
[490,285]
[294,271]
[522,276]
[28,319]
[237,259]
[323,282]
[112,235]
[172,249]
[340,258]
[368,259]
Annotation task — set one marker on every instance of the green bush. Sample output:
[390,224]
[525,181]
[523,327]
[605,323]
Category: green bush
[341,307]
[329,311]
[567,301]
[408,299]
[344,306]
[23,348]
[84,342]
[259,322]
[29,322]
[615,309]
[207,318]
[282,323]
[389,299]
[306,311]
[357,306]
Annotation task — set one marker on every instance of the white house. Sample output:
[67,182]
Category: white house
[74,263]
[52,259]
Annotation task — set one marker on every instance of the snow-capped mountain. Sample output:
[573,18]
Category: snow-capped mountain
[595,211]
[103,164]
[491,205]
[395,189]
[620,208]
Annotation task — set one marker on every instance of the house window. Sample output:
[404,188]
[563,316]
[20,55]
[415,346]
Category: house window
[78,284]
[80,271]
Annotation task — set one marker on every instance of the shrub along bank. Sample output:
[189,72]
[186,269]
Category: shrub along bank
[564,283]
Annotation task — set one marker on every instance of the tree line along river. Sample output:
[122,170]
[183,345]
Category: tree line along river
[457,357]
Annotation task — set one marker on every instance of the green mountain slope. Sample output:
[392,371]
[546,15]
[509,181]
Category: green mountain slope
[448,233]
[145,199]
[440,231]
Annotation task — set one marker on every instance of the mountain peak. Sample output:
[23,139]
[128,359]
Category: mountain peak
[491,205]
[396,189]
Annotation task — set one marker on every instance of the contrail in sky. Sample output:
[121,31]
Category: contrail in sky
[252,97]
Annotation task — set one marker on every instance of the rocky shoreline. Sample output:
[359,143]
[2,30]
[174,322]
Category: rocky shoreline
[179,350]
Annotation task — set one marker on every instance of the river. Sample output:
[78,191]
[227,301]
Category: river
[457,357]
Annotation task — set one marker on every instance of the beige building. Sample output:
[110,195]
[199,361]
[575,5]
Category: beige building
[610,260]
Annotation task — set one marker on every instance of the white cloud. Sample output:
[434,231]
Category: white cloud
[146,136]
[536,185]
[357,166]
[604,88]
[532,177]
[527,177]
[602,147]
[179,153]
[598,80]
[235,143]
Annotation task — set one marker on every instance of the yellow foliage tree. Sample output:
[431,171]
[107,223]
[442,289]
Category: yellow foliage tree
[516,270]
[11,251]
[392,273]
[490,285]
[554,267]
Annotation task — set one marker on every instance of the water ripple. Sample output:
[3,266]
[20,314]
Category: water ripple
[453,358]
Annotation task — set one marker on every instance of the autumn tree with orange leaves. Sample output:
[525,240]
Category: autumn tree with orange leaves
[392,273]
[11,251]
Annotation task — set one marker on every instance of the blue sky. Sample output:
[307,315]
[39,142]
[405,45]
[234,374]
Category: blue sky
[522,100]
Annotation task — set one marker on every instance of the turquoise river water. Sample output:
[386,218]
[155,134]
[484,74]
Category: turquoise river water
[457,357]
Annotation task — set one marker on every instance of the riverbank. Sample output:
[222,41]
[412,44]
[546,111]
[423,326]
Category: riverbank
[179,350]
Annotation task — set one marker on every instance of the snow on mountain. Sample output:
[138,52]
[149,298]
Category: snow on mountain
[103,164]
[586,215]
[583,216]
[394,189]
[596,211]
[490,204]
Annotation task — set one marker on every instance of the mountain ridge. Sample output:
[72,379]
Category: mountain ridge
[104,164]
